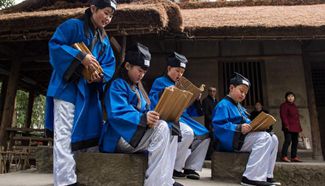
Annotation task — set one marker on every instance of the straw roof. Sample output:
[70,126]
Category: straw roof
[258,21]
[129,19]
[154,16]
[218,4]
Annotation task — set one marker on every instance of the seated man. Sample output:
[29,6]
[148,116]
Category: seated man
[232,132]
[131,127]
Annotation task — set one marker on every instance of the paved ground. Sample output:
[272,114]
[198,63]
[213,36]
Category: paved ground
[204,181]
[26,178]
[32,178]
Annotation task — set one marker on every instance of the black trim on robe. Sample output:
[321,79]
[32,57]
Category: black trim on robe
[84,144]
[142,128]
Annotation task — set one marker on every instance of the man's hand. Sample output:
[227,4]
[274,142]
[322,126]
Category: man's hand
[245,128]
[152,118]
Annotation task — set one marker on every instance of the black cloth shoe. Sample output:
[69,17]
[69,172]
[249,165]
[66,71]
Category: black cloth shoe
[177,174]
[271,180]
[247,182]
[177,184]
[191,174]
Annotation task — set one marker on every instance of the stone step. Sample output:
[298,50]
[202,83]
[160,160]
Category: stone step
[111,169]
[230,167]
[303,154]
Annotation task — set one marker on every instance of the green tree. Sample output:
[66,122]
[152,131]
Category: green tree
[38,115]
[21,107]
[6,3]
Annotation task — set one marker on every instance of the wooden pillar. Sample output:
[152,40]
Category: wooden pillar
[314,125]
[123,48]
[4,87]
[10,100]
[31,98]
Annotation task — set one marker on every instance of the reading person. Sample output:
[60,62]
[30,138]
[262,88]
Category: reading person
[192,148]
[232,131]
[131,127]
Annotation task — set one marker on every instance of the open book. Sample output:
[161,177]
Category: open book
[172,103]
[262,122]
[185,84]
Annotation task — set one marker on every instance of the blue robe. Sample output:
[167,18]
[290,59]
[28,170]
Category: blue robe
[227,118]
[125,119]
[158,87]
[85,96]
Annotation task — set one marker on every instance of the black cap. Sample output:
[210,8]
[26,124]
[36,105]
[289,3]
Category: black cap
[177,60]
[104,3]
[238,79]
[139,55]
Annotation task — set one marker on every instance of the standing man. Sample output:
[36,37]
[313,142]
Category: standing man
[208,105]
[73,109]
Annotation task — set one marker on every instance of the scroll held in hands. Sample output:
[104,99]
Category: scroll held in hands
[262,122]
[185,84]
[172,103]
[87,73]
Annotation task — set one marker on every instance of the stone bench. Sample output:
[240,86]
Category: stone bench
[43,156]
[111,169]
[227,166]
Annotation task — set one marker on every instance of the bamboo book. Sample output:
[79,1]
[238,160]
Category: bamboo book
[172,103]
[262,122]
[185,84]
[87,73]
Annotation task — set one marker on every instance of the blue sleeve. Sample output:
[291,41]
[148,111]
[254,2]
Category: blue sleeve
[223,129]
[157,88]
[60,49]
[220,120]
[195,110]
[107,62]
[122,116]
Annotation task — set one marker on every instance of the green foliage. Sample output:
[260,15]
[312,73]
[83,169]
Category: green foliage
[21,107]
[38,114]
[6,3]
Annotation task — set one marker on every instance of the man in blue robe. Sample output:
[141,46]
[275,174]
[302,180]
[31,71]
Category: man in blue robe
[131,127]
[232,132]
[73,109]
[192,148]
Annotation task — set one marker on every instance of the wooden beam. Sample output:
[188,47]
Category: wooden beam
[122,54]
[314,125]
[9,104]
[4,87]
[31,98]
[116,45]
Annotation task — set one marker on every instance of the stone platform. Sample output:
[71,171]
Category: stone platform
[230,167]
[114,169]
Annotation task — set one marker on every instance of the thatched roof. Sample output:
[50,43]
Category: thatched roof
[218,4]
[154,16]
[129,19]
[258,22]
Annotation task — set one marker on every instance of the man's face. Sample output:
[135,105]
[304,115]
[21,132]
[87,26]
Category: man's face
[212,92]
